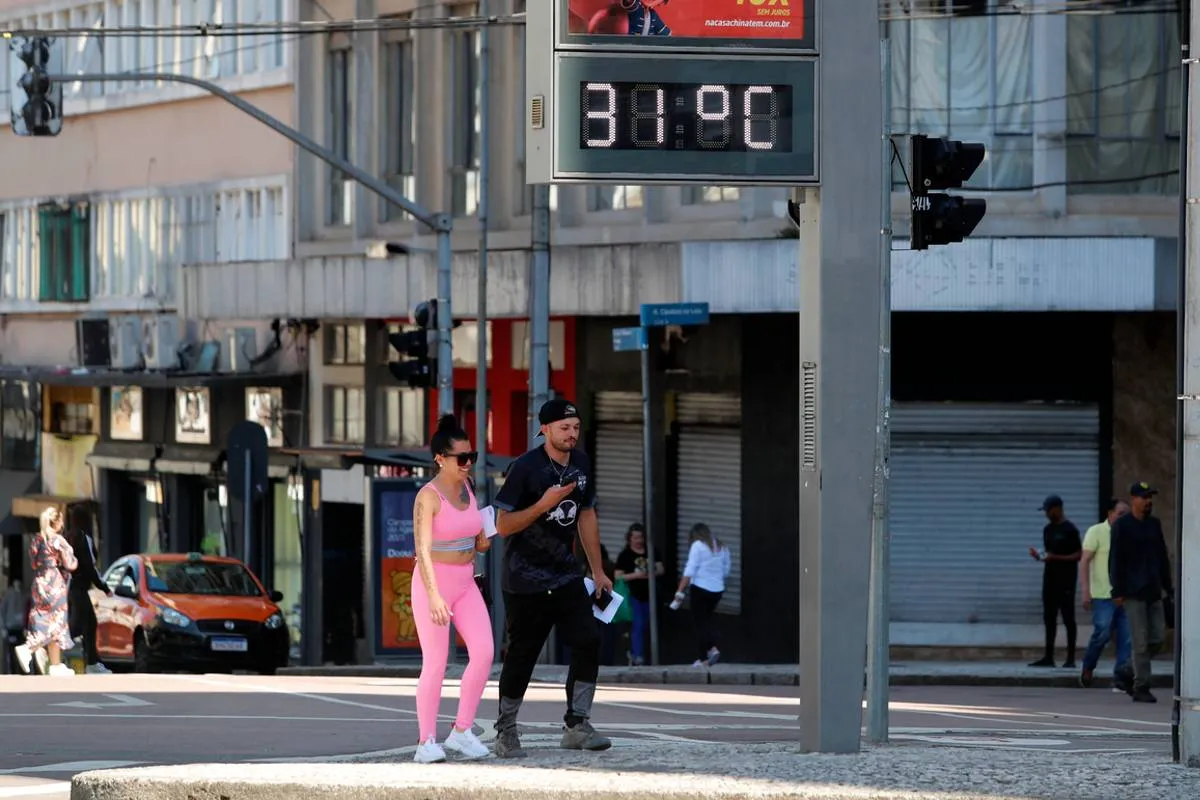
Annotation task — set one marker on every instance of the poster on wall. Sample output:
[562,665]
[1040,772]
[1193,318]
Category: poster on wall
[192,422]
[264,405]
[125,413]
[392,503]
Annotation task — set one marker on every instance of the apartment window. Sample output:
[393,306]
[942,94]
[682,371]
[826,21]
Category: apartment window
[614,198]
[704,195]
[558,345]
[19,257]
[341,195]
[466,344]
[403,418]
[465,120]
[74,418]
[1123,107]
[961,68]
[399,129]
[344,415]
[64,249]
[346,345]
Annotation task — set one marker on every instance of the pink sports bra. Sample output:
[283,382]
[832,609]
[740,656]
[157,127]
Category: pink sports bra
[455,529]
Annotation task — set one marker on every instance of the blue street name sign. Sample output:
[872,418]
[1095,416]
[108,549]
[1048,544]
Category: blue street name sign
[657,314]
[628,339]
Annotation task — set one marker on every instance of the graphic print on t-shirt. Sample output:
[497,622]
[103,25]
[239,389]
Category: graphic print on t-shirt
[540,557]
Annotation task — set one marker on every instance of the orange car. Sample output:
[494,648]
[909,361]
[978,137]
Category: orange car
[188,612]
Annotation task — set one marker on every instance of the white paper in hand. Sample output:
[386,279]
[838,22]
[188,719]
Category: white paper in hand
[489,521]
[610,611]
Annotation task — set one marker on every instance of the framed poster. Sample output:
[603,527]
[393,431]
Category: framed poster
[125,413]
[264,405]
[193,424]
[392,502]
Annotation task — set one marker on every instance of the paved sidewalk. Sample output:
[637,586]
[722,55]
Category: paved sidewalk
[903,673]
[667,771]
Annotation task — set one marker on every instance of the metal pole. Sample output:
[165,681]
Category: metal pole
[878,619]
[247,516]
[539,307]
[648,495]
[481,373]
[445,353]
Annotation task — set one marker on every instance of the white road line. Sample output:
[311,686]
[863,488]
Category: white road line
[259,689]
[71,766]
[57,787]
[683,712]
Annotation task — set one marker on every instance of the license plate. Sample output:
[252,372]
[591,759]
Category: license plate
[229,644]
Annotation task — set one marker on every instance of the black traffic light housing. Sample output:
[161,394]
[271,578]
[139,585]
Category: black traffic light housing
[36,100]
[939,218]
[417,367]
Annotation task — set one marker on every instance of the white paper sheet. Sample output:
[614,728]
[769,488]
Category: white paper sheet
[489,521]
[605,616]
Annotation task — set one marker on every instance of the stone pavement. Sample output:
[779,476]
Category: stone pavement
[638,770]
[903,673]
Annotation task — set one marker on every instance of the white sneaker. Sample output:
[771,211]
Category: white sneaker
[60,671]
[98,669]
[24,657]
[429,752]
[466,744]
[42,661]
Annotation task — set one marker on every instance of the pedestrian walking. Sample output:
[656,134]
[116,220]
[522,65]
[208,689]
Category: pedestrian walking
[1060,553]
[634,568]
[81,612]
[52,560]
[708,565]
[548,498]
[1140,573]
[1108,621]
[448,532]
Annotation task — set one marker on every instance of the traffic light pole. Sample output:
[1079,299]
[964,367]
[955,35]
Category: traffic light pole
[442,224]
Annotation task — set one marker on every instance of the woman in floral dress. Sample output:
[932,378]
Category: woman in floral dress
[52,560]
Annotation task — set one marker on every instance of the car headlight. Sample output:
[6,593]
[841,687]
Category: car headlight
[274,622]
[173,617]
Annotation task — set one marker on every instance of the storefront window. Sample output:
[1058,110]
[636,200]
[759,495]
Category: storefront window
[150,535]
[289,571]
[213,542]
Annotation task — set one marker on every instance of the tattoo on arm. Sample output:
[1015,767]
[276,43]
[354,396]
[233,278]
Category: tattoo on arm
[423,535]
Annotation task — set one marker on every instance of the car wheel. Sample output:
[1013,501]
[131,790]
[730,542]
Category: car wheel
[141,654]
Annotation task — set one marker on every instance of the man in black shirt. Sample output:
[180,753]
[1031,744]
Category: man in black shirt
[1140,572]
[548,497]
[1061,551]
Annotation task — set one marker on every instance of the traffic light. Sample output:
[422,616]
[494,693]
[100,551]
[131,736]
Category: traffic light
[416,367]
[939,218]
[36,100]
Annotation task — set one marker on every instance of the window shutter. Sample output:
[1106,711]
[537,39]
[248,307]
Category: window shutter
[81,237]
[47,230]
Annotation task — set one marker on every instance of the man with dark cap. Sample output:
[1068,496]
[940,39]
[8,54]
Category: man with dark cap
[1061,551]
[1139,570]
[547,498]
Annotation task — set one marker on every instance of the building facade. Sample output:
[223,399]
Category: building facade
[1035,358]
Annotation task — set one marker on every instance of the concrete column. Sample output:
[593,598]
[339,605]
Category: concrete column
[1050,108]
[363,131]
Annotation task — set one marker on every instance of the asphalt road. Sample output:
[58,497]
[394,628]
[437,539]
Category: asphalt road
[53,728]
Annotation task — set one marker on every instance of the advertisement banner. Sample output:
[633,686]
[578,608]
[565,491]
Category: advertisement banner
[392,517]
[780,20]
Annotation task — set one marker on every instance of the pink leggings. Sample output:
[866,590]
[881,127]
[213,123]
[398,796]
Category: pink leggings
[456,584]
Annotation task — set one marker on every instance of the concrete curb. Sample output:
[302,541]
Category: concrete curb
[662,771]
[755,675]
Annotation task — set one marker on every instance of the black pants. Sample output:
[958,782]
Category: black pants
[1059,598]
[704,608]
[81,617]
[531,617]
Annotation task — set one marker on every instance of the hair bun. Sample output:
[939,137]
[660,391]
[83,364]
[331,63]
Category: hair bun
[447,424]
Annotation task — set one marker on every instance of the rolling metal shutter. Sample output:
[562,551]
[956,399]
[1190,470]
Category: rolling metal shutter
[618,466]
[709,480]
[967,481]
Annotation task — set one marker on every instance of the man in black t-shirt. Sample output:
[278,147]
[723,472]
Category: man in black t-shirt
[1061,550]
[548,497]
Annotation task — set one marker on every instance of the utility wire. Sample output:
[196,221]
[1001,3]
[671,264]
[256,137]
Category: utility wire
[309,28]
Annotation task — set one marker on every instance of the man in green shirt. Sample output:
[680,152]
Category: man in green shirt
[1108,620]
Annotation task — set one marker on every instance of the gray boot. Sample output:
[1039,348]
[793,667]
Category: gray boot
[581,735]
[508,743]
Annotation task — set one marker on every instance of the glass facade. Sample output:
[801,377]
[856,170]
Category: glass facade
[289,570]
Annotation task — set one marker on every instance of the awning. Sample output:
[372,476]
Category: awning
[61,376]
[419,459]
[13,484]
[190,460]
[122,456]
[31,506]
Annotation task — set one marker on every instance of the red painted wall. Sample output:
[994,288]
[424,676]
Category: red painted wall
[509,389]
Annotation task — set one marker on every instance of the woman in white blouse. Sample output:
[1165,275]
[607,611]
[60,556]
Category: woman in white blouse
[705,572]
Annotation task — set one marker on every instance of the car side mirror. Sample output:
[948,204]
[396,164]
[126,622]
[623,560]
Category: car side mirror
[126,591]
[276,596]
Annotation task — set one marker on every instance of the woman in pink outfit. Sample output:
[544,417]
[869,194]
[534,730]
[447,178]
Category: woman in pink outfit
[448,531]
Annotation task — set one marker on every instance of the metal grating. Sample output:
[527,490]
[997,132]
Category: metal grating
[808,416]
[537,112]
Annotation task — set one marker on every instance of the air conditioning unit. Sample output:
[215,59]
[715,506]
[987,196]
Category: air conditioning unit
[160,341]
[238,346]
[91,342]
[125,343]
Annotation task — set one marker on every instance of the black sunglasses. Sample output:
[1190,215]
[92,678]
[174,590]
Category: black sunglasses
[464,459]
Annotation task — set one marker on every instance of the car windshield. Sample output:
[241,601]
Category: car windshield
[199,577]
